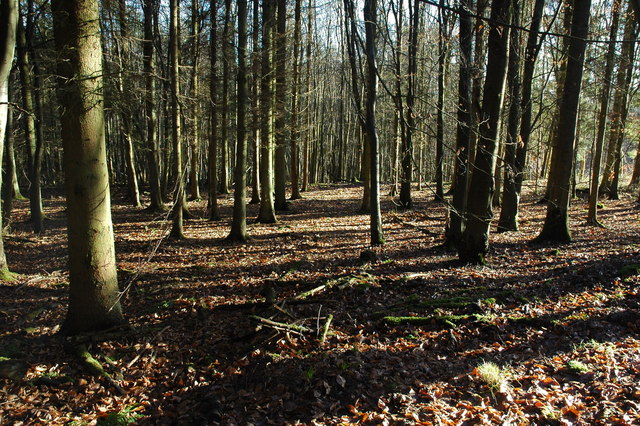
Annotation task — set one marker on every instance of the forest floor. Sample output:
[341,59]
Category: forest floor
[543,334]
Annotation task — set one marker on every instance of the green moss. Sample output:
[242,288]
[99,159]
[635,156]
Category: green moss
[578,366]
[632,269]
[7,276]
[124,417]
[446,320]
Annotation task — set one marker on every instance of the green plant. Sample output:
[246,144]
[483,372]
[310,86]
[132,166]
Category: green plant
[126,416]
[493,376]
[308,374]
[578,366]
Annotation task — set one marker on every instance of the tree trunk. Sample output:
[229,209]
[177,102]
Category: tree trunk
[9,171]
[213,135]
[442,29]
[94,298]
[453,232]
[592,216]
[267,212]
[239,223]
[255,78]
[556,224]
[280,53]
[475,238]
[151,117]
[226,108]
[618,113]
[194,184]
[308,134]
[295,104]
[370,18]
[508,220]
[177,230]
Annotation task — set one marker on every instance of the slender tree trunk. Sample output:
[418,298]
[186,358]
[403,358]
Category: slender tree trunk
[556,224]
[9,171]
[280,56]
[475,238]
[267,212]
[295,104]
[255,78]
[226,108]
[508,220]
[308,133]
[177,230]
[94,298]
[453,233]
[592,216]
[371,19]
[479,58]
[9,12]
[151,116]
[239,223]
[213,135]
[442,29]
[194,159]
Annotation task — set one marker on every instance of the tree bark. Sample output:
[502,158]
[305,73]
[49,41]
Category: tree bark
[556,224]
[255,78]
[239,223]
[475,238]
[177,230]
[592,215]
[267,212]
[94,298]
[213,135]
[295,104]
[370,18]
[194,184]
[453,232]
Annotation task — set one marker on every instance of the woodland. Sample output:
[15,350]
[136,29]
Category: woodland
[306,212]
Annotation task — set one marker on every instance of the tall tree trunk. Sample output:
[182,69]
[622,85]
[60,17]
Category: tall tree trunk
[592,216]
[151,117]
[475,238]
[479,60]
[442,57]
[213,135]
[556,224]
[255,79]
[9,170]
[453,233]
[26,72]
[371,88]
[239,223]
[9,9]
[308,133]
[280,53]
[508,220]
[295,103]
[407,141]
[267,212]
[226,108]
[94,298]
[194,185]
[177,230]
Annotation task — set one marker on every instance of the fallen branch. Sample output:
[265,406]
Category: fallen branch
[325,328]
[300,329]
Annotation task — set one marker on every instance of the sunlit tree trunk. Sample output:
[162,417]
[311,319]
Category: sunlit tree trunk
[239,223]
[453,233]
[442,57]
[295,103]
[267,211]
[603,115]
[151,116]
[556,224]
[225,124]
[213,130]
[255,113]
[177,230]
[280,56]
[475,238]
[194,184]
[371,89]
[94,298]
[308,133]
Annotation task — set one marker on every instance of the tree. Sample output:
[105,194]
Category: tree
[267,212]
[454,229]
[194,185]
[556,224]
[295,103]
[33,141]
[475,238]
[508,220]
[239,224]
[223,183]
[155,205]
[371,21]
[213,132]
[9,9]
[94,298]
[255,113]
[592,216]
[280,56]
[443,25]
[177,230]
